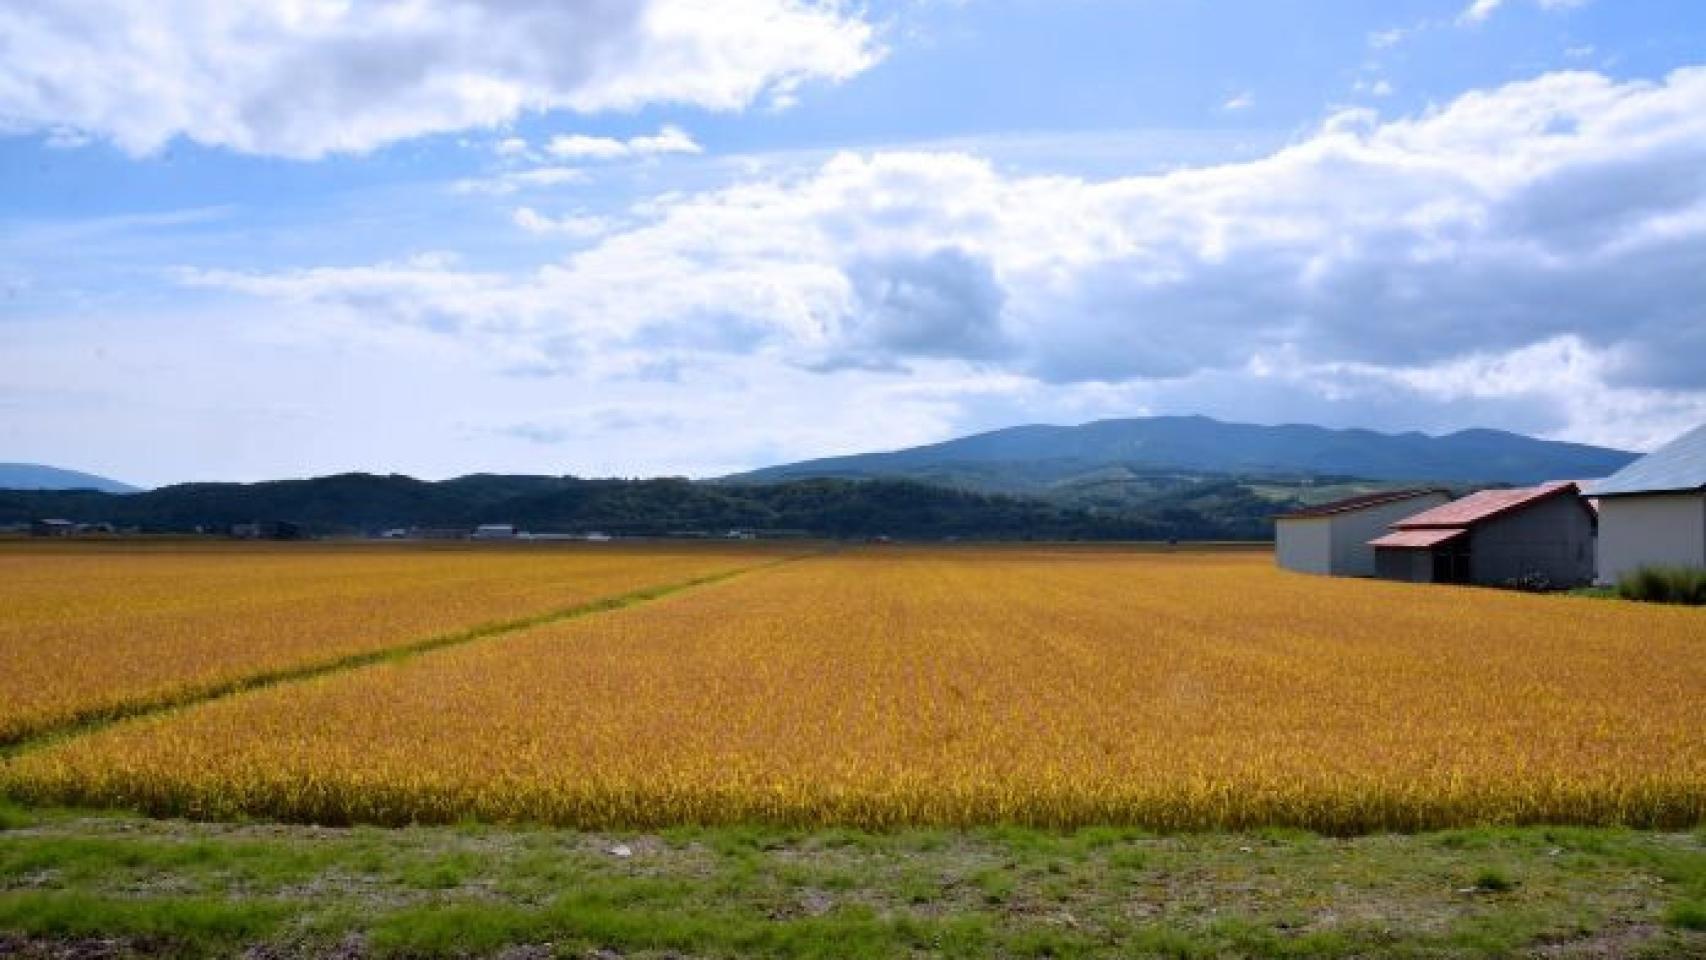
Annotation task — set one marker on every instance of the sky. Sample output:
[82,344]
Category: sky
[256,239]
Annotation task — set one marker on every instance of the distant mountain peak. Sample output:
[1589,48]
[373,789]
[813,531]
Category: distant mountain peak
[1204,444]
[36,476]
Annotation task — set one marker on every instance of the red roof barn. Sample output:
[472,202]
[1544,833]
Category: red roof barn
[1540,535]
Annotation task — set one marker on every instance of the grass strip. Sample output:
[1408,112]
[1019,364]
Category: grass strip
[72,880]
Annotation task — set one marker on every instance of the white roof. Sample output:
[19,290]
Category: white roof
[1677,466]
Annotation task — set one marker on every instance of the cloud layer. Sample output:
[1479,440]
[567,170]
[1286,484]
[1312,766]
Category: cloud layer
[1536,251]
[307,78]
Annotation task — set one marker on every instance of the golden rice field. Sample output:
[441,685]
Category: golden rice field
[92,629]
[1047,686]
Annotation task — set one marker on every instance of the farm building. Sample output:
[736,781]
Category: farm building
[1332,538]
[1653,512]
[494,531]
[52,528]
[1542,534]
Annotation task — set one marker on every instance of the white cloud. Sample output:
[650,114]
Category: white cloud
[533,221]
[314,77]
[668,139]
[1374,88]
[1239,101]
[1385,39]
[581,147]
[1479,11]
[511,181]
[1533,255]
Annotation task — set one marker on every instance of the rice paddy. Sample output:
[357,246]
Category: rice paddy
[93,630]
[883,687]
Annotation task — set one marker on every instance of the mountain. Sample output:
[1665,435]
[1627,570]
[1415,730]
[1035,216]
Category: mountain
[34,476]
[1037,458]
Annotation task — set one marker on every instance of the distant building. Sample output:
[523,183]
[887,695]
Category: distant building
[494,531]
[1653,512]
[1541,535]
[1332,538]
[267,530]
[52,528]
[441,533]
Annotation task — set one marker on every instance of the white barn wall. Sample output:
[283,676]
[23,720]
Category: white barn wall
[1352,556]
[1304,544]
[1337,544]
[1650,529]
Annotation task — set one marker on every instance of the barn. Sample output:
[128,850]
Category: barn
[1542,535]
[1332,538]
[1653,512]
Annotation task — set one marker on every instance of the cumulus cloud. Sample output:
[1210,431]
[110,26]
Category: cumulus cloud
[1467,254]
[316,77]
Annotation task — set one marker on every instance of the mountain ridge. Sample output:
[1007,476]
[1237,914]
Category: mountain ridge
[1197,443]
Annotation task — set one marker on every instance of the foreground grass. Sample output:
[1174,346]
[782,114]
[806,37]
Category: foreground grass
[150,887]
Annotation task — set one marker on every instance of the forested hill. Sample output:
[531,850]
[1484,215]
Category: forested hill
[366,504]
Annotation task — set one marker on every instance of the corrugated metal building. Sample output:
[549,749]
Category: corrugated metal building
[1542,535]
[1653,512]
[1332,538]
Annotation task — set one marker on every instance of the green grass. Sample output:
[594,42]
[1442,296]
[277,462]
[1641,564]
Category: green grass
[473,890]
[1494,880]
[1687,914]
[13,817]
[194,923]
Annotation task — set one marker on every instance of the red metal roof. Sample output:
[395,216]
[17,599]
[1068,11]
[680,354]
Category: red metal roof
[1487,504]
[1418,539]
[1350,504]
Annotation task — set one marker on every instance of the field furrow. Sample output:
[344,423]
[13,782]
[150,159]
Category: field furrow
[1044,686]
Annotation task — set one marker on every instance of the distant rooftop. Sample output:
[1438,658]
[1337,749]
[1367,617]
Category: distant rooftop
[1485,505]
[1361,502]
[1678,466]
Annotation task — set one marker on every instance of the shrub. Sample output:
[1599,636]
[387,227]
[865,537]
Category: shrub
[1685,585]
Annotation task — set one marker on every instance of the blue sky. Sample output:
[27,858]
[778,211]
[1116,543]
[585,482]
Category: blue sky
[256,240]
